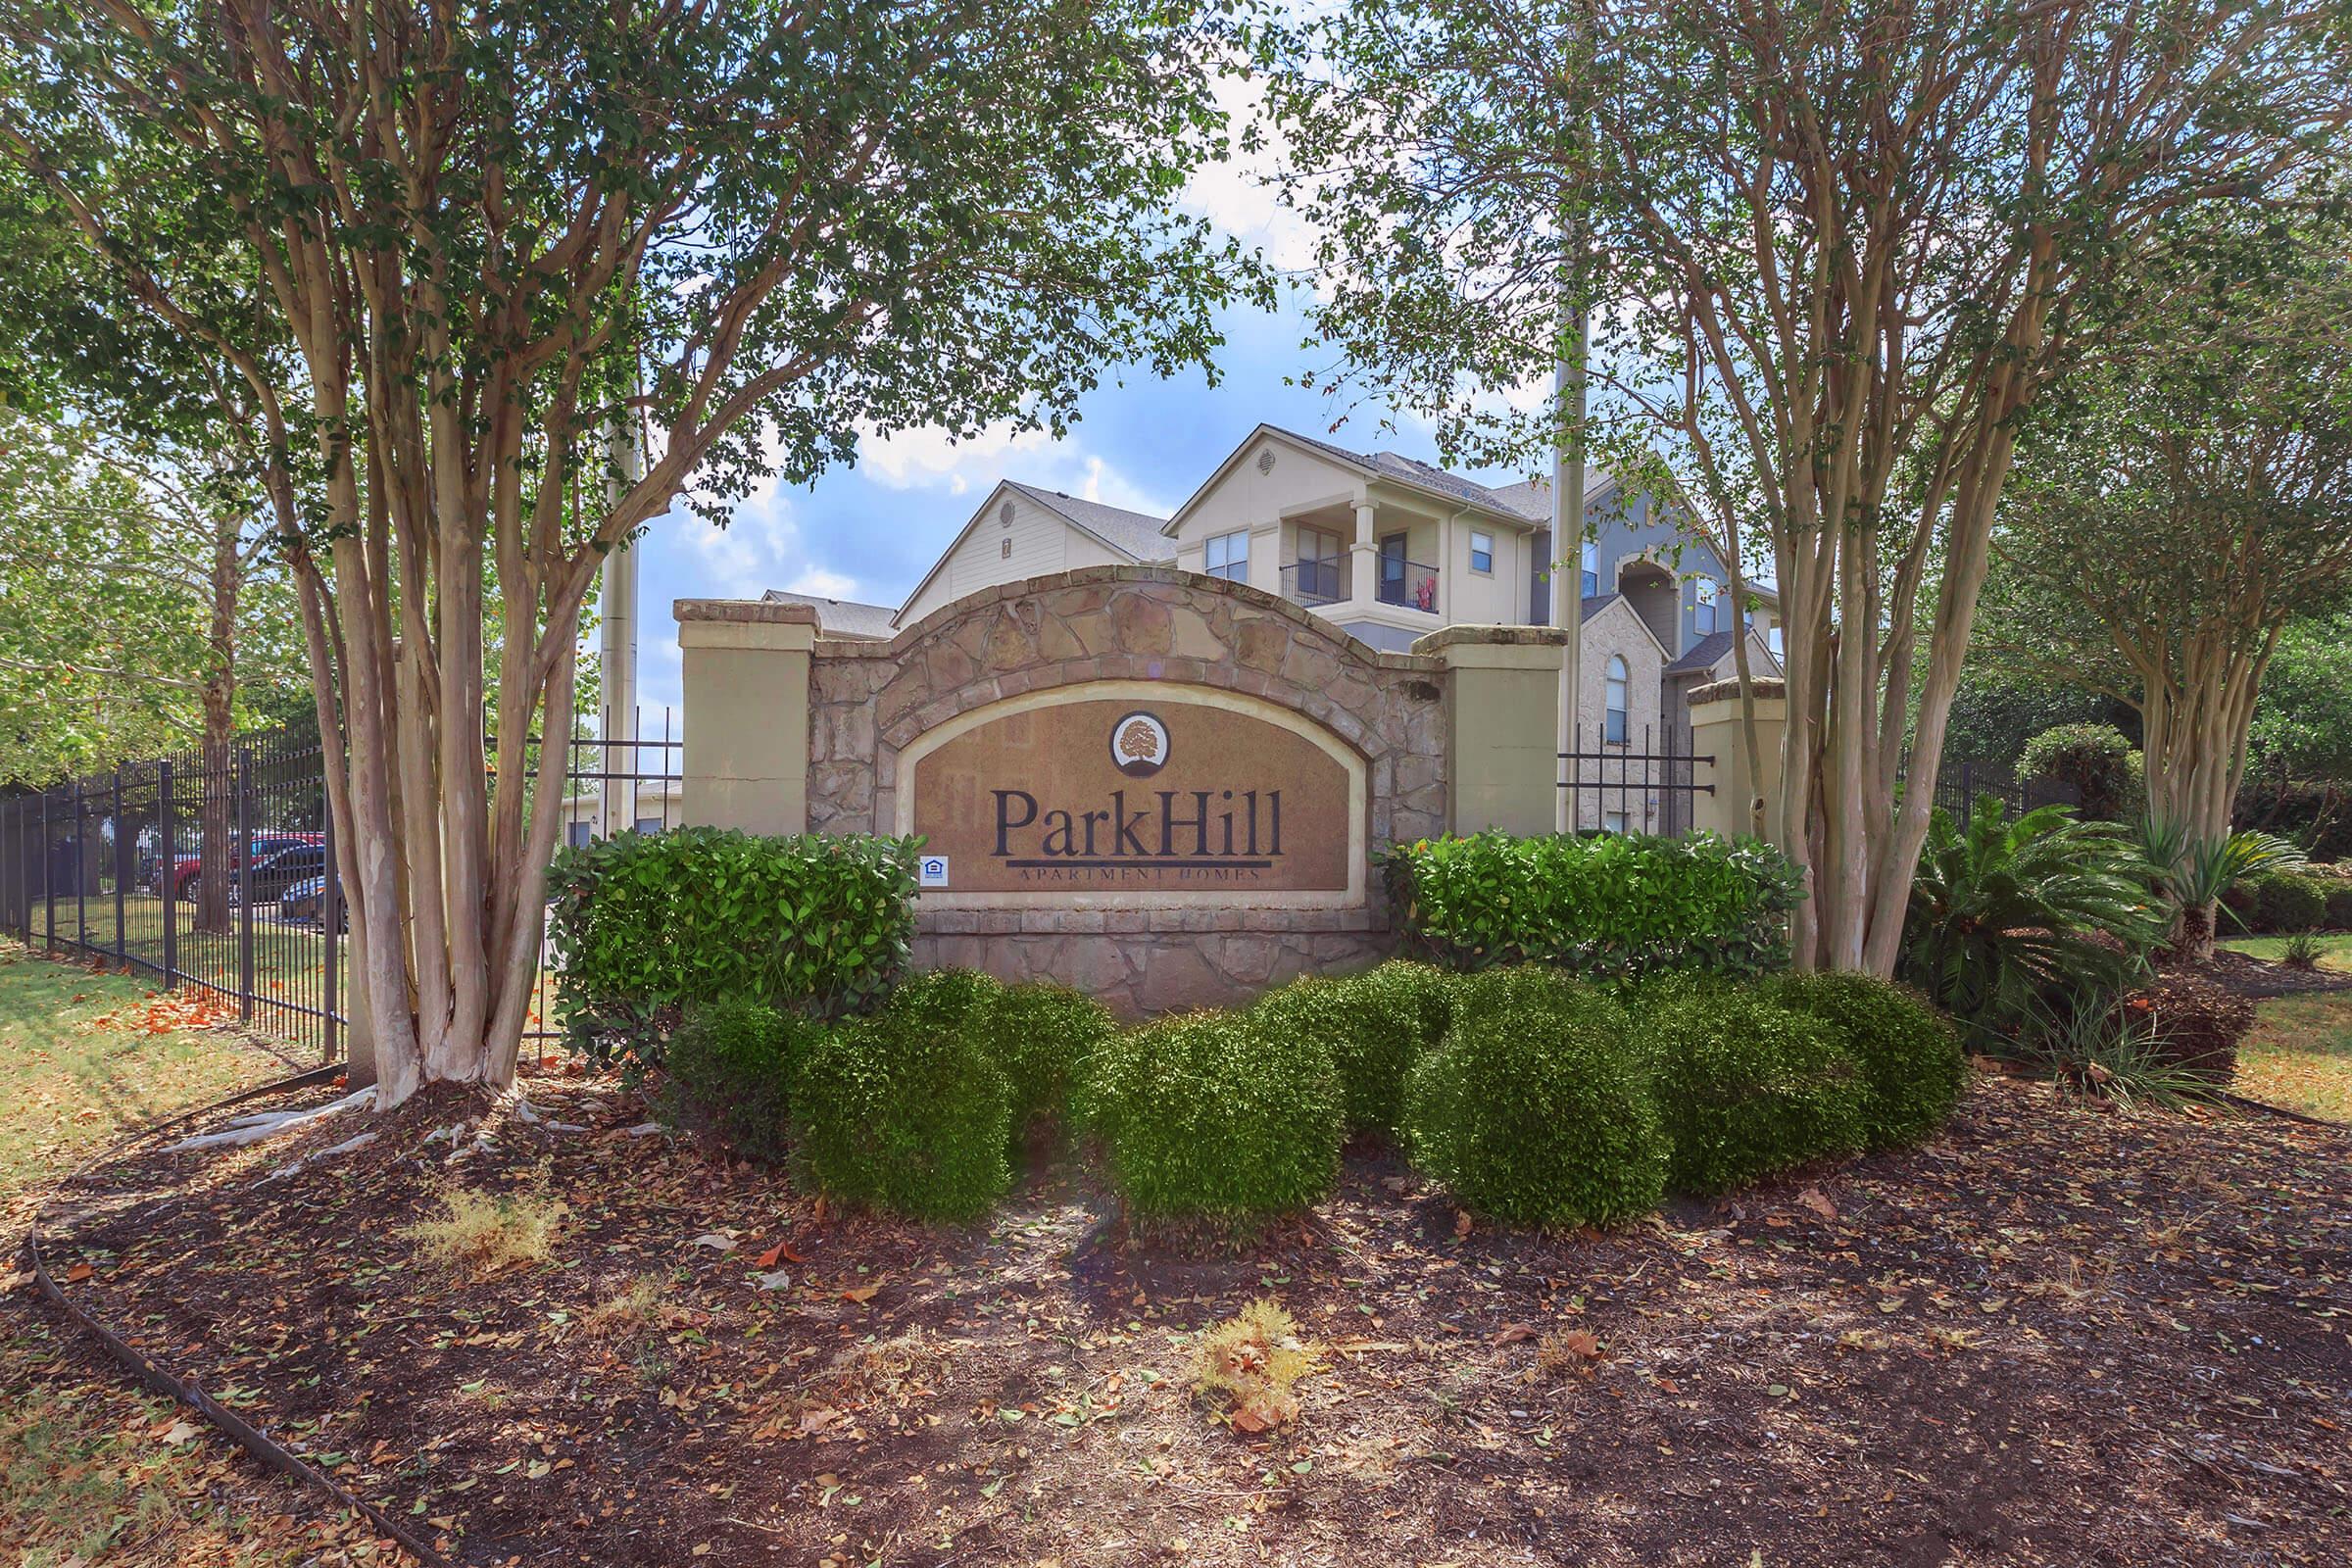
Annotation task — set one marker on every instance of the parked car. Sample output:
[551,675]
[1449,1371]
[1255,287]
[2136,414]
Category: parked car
[267,879]
[303,904]
[188,870]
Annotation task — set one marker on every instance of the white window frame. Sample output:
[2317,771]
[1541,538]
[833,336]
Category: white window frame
[1482,543]
[1705,595]
[1233,549]
[1590,568]
[1616,701]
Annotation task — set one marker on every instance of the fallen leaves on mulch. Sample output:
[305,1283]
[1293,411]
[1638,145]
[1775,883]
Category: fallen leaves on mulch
[2053,1335]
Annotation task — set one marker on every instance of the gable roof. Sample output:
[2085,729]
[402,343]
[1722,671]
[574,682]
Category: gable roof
[839,617]
[1532,498]
[1598,603]
[1393,466]
[1712,649]
[1135,534]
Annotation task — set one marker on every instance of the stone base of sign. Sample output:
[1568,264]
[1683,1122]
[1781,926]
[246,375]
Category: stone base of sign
[1456,736]
[1144,962]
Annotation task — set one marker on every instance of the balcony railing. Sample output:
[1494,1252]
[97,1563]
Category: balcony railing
[1316,580]
[1407,584]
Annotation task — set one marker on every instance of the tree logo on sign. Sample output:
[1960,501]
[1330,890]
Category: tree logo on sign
[1139,745]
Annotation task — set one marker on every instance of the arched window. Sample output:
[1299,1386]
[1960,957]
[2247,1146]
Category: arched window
[1614,716]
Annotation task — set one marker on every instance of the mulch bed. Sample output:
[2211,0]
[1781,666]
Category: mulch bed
[2056,1335]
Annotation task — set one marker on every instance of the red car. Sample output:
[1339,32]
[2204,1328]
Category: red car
[187,868]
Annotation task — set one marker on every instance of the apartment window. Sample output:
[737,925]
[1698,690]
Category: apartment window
[1482,552]
[1229,556]
[1613,821]
[576,833]
[1004,550]
[1703,595]
[649,825]
[1592,560]
[1318,568]
[1614,711]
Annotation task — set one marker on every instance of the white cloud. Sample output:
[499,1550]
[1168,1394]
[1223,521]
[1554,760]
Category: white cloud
[927,460]
[1236,194]
[823,584]
[759,546]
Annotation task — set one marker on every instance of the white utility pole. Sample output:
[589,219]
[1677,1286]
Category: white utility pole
[1568,384]
[617,612]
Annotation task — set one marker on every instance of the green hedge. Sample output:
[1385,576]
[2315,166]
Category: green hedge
[644,924]
[2103,766]
[1376,1025]
[900,1110]
[1212,1116]
[1912,1066]
[731,1064]
[2284,901]
[1745,1086]
[1536,1109]
[1042,1039]
[1606,905]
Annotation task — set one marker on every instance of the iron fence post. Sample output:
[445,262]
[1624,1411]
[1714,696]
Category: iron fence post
[330,930]
[166,869]
[48,884]
[121,853]
[242,866]
[82,874]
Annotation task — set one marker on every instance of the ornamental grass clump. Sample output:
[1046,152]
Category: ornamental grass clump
[1910,1058]
[1211,1116]
[1376,1024]
[483,1233]
[1747,1087]
[1536,1108]
[899,1112]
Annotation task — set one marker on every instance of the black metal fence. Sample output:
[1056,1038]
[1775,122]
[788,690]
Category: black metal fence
[1958,783]
[216,870]
[1622,787]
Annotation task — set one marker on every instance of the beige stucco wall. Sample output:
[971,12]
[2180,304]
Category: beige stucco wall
[1040,540]
[746,667]
[1716,731]
[1503,725]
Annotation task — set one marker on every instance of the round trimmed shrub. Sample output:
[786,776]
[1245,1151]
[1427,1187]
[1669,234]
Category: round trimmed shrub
[2103,766]
[1377,1025]
[2339,904]
[1912,1066]
[1211,1116]
[1747,1087]
[731,1064]
[2193,1024]
[2284,901]
[1536,1108]
[899,1111]
[1041,1037]
[951,997]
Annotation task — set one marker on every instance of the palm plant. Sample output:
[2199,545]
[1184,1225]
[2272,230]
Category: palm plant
[2194,874]
[2008,914]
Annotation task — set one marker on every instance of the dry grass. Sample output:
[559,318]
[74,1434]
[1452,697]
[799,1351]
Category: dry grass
[488,1233]
[1252,1360]
[2300,1056]
[626,1312]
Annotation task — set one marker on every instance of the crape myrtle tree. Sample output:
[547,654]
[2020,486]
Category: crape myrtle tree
[491,230]
[1831,254]
[2182,501]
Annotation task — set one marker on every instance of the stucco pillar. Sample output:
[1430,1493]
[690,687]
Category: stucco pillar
[1503,725]
[1363,558]
[746,672]
[1715,732]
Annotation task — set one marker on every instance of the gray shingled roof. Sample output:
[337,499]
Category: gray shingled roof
[1702,654]
[841,617]
[1133,533]
[1595,604]
[1412,470]
[1532,498]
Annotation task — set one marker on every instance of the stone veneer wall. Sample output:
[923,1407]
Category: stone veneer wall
[869,700]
